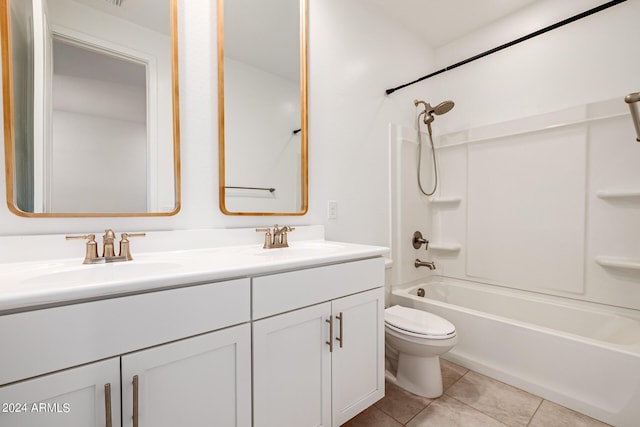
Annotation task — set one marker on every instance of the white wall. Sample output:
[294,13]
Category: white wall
[99,148]
[589,60]
[261,112]
[355,54]
[90,26]
[529,215]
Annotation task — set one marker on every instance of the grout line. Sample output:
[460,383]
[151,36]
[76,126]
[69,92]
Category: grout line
[444,392]
[456,381]
[419,412]
[477,410]
[389,415]
[531,418]
[508,385]
[535,412]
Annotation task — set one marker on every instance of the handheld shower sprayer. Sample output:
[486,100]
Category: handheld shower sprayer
[428,113]
[633,99]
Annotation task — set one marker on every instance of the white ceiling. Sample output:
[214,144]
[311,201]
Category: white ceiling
[435,22]
[439,22]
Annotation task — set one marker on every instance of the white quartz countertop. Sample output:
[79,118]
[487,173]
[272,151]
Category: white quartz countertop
[27,285]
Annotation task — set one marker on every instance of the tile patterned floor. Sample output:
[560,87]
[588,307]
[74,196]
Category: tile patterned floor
[469,400]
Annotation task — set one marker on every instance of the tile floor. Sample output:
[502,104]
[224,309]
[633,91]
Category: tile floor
[469,400]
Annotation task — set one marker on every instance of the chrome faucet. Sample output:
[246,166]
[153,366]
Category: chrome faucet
[429,264]
[108,252]
[276,240]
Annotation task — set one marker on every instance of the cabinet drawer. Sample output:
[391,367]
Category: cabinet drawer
[278,293]
[41,341]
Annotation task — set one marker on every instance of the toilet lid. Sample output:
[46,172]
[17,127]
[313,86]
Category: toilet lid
[417,321]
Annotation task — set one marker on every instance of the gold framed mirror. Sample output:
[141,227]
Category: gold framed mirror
[262,107]
[91,112]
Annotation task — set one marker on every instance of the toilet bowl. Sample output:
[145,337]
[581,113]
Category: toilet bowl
[414,341]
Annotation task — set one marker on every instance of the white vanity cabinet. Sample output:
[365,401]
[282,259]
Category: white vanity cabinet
[77,397]
[322,364]
[205,380]
[297,340]
[185,374]
[200,381]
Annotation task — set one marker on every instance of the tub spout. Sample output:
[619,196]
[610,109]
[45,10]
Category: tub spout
[429,264]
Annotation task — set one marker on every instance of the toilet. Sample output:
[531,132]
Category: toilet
[414,341]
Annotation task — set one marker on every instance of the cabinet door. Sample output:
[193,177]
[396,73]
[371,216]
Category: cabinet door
[358,355]
[292,369]
[199,381]
[76,397]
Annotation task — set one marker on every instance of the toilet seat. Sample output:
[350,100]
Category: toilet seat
[418,323]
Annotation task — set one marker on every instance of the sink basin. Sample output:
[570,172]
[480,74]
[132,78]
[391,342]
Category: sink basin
[72,272]
[300,249]
[108,272]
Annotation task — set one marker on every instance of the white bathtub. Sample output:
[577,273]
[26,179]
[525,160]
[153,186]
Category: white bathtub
[579,355]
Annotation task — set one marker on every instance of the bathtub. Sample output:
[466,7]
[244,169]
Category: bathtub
[579,355]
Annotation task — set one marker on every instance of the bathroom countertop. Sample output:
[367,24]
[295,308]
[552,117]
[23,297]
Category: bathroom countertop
[34,284]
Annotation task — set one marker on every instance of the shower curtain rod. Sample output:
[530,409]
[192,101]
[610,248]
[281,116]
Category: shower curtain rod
[513,42]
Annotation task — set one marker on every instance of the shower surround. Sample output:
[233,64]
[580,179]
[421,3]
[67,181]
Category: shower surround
[544,206]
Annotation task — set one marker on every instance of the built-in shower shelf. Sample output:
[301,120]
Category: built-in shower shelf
[619,262]
[618,194]
[445,246]
[445,200]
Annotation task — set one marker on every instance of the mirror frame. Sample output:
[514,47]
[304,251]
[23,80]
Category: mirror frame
[304,117]
[7,102]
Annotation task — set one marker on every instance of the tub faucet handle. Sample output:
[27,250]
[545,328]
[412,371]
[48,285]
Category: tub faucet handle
[418,241]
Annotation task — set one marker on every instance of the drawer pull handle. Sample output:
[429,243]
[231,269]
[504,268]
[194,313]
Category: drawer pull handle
[341,337]
[136,386]
[107,405]
[330,342]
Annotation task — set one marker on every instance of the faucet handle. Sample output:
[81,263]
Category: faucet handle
[418,241]
[267,236]
[283,235]
[91,253]
[125,249]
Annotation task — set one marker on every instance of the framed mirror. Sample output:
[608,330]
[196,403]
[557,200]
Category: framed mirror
[262,107]
[91,116]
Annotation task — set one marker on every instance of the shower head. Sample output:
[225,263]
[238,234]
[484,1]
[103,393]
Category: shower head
[429,111]
[443,107]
